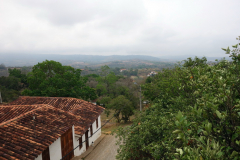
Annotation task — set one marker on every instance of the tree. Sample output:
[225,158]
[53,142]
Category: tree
[122,106]
[8,95]
[50,78]
[18,74]
[10,83]
[194,114]
[104,70]
[10,88]
[195,62]
[101,89]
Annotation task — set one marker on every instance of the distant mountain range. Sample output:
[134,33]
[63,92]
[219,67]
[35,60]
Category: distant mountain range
[85,60]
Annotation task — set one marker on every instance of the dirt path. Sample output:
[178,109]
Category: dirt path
[104,150]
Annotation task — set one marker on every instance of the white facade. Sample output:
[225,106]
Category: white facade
[96,134]
[39,157]
[93,138]
[55,150]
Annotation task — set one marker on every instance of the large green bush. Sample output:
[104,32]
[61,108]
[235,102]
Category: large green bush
[195,114]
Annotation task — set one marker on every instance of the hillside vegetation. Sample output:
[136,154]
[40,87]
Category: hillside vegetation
[194,114]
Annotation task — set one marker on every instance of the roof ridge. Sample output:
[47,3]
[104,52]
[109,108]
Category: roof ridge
[52,98]
[18,117]
[38,106]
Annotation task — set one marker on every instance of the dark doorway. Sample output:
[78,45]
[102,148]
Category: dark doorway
[86,139]
[45,154]
[91,130]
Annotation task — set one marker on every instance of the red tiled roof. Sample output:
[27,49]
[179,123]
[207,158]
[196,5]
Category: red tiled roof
[22,137]
[88,111]
[7,113]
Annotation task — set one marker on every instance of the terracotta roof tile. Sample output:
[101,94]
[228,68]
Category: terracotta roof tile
[23,137]
[7,113]
[88,111]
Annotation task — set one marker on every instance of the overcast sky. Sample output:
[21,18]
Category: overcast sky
[119,27]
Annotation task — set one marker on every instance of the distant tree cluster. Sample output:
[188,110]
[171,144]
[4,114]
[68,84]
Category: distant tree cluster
[130,72]
[11,86]
[48,78]
[115,92]
[52,79]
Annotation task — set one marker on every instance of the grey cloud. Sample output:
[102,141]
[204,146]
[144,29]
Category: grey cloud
[66,12]
[71,12]
[157,34]
[152,27]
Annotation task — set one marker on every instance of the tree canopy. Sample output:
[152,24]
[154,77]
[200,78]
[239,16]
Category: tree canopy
[51,78]
[121,105]
[194,114]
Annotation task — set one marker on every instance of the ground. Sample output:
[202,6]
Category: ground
[105,150]
[112,124]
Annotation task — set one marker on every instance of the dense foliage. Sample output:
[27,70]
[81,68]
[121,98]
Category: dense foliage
[11,86]
[195,114]
[114,92]
[121,105]
[18,74]
[52,79]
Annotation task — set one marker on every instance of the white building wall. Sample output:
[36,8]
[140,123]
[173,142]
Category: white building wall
[39,157]
[78,151]
[55,150]
[98,133]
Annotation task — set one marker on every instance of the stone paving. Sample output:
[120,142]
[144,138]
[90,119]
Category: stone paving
[103,149]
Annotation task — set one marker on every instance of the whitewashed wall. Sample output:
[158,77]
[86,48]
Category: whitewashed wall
[98,133]
[39,157]
[78,151]
[55,150]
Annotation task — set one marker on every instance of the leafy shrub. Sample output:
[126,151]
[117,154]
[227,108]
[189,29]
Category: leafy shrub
[195,114]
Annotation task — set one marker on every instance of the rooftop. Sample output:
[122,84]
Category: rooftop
[26,135]
[29,125]
[88,111]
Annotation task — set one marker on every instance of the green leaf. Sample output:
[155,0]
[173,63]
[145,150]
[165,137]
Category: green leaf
[234,136]
[235,46]
[177,131]
[199,130]
[179,150]
[234,153]
[224,49]
[237,142]
[218,114]
[205,133]
[238,113]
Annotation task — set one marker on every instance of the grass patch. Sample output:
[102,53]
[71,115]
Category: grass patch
[112,124]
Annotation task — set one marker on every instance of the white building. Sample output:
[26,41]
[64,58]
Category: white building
[152,73]
[48,128]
